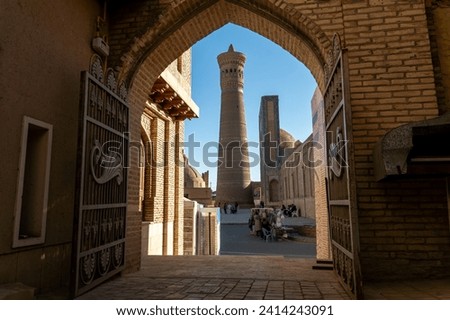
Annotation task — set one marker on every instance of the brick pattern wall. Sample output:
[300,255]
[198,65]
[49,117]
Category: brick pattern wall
[158,136]
[189,230]
[392,83]
[163,175]
[208,232]
[432,31]
[178,190]
[127,22]
[134,217]
[168,186]
[404,228]
[181,69]
[161,34]
[297,183]
[320,192]
[148,212]
[438,28]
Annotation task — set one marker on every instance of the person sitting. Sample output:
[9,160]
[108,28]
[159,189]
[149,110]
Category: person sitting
[279,219]
[257,225]
[284,210]
[294,211]
[265,226]
[234,208]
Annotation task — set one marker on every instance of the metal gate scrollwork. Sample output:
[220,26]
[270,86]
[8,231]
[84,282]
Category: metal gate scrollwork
[101,200]
[341,191]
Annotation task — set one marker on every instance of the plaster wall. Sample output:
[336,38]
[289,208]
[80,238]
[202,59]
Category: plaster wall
[40,78]
[152,238]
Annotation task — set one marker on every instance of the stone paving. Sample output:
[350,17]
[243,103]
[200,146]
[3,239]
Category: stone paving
[237,240]
[223,277]
[228,277]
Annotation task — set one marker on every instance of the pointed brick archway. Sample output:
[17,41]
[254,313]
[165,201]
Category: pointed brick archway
[387,42]
[179,26]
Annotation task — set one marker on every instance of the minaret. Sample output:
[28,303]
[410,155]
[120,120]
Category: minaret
[233,172]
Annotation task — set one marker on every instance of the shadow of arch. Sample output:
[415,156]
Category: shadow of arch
[184,23]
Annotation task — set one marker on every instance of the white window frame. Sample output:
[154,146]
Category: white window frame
[41,213]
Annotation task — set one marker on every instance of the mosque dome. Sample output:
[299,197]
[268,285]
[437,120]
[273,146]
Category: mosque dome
[288,144]
[192,178]
[287,140]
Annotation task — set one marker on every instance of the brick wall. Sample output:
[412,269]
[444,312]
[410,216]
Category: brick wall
[297,180]
[134,219]
[404,229]
[391,83]
[190,230]
[438,29]
[320,192]
[178,190]
[163,206]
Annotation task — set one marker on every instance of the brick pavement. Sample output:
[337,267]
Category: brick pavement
[250,277]
[223,278]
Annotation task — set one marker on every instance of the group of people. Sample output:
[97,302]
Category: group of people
[290,211]
[263,222]
[230,208]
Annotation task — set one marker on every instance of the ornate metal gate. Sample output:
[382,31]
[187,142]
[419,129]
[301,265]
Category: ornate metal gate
[101,201]
[341,192]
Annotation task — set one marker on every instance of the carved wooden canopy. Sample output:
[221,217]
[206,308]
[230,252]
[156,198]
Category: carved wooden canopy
[168,100]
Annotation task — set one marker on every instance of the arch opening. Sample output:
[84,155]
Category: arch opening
[160,45]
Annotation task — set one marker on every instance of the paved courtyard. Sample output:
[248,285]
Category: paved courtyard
[223,277]
[248,268]
[251,269]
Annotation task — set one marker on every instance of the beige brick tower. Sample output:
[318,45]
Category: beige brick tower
[233,172]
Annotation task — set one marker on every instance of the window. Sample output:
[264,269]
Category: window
[32,187]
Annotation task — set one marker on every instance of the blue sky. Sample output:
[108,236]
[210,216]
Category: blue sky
[269,70]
